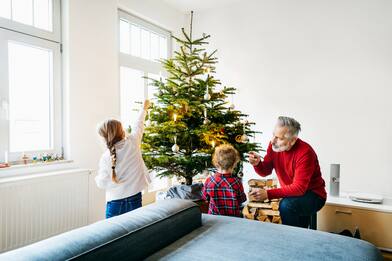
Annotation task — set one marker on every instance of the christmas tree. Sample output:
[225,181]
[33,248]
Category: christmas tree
[192,115]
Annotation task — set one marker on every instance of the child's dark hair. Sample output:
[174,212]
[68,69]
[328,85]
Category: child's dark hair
[113,132]
[225,157]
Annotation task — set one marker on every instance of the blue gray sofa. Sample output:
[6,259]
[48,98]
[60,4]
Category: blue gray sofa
[176,230]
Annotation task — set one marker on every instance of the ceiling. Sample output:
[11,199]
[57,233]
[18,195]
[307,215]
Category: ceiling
[186,6]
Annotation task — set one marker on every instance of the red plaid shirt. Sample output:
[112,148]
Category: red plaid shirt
[225,194]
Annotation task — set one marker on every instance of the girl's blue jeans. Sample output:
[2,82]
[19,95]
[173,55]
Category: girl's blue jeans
[121,206]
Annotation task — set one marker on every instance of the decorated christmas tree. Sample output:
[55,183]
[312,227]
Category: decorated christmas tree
[192,114]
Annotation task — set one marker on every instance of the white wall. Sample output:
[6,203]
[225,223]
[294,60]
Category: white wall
[91,74]
[90,82]
[156,12]
[327,64]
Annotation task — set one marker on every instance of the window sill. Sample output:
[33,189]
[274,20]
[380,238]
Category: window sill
[34,168]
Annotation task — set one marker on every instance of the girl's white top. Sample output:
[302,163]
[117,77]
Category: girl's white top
[131,172]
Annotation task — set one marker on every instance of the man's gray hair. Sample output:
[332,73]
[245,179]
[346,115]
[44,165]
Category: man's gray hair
[293,126]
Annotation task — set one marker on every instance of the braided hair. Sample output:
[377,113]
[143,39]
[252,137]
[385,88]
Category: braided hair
[113,132]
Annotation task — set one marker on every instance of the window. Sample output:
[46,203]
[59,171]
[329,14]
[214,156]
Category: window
[140,39]
[141,45]
[39,18]
[30,93]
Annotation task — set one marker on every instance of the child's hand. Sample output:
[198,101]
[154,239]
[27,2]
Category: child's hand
[146,104]
[254,158]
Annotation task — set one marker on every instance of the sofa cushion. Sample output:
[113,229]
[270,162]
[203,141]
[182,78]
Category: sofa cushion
[131,236]
[230,238]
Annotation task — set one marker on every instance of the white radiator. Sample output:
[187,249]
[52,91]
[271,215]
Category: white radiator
[38,206]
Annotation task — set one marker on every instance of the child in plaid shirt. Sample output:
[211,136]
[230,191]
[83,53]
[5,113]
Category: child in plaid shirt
[223,190]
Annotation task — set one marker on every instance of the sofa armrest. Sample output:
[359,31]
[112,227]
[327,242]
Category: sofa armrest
[131,236]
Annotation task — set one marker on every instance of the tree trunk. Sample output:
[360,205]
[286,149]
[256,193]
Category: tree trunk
[188,181]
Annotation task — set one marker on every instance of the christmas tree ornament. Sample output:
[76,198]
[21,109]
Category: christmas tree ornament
[207,96]
[174,117]
[175,148]
[206,120]
[238,138]
[244,137]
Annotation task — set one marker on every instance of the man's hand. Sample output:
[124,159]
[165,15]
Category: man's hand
[254,158]
[146,104]
[259,195]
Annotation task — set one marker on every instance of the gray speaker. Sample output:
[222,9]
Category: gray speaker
[334,180]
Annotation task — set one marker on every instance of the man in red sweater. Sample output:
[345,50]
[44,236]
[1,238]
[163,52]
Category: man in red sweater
[296,165]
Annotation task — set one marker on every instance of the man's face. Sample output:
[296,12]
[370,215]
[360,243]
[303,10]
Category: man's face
[281,140]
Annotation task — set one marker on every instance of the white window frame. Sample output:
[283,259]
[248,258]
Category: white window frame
[54,35]
[139,63]
[144,65]
[12,31]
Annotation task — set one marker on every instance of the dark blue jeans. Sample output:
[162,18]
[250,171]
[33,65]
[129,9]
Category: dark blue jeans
[296,211]
[121,206]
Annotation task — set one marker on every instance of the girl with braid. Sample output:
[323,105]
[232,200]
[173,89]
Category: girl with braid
[122,172]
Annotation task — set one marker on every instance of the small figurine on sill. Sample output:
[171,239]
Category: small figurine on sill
[4,165]
[25,158]
[44,157]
